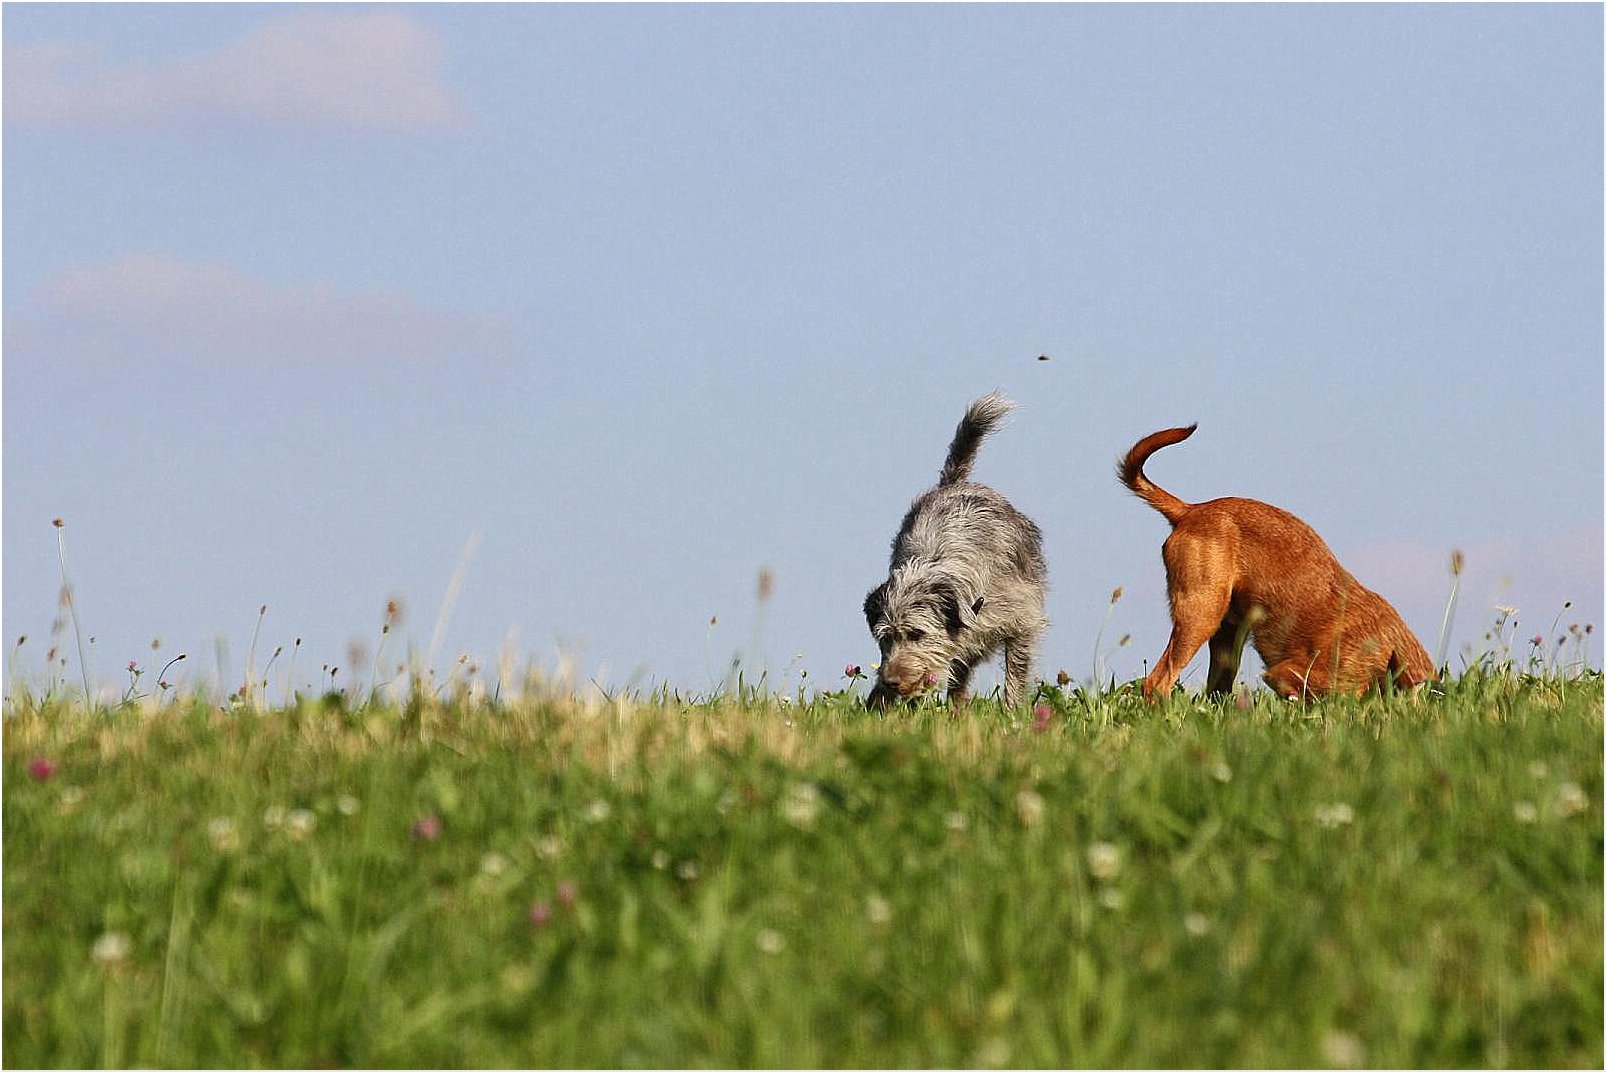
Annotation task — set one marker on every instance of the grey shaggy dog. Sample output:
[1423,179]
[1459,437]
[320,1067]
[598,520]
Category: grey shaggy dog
[967,578]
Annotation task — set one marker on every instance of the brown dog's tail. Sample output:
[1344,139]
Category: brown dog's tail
[1130,470]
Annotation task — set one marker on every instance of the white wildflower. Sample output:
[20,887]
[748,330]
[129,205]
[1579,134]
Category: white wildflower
[1333,815]
[299,822]
[802,805]
[1343,1050]
[112,947]
[1104,860]
[1030,806]
[1570,799]
[221,833]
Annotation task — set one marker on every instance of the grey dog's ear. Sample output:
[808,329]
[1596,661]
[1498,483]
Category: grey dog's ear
[955,615]
[875,604]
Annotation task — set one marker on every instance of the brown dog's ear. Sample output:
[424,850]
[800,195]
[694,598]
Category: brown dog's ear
[875,605]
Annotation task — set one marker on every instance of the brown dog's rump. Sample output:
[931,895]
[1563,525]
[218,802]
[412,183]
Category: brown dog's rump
[1237,566]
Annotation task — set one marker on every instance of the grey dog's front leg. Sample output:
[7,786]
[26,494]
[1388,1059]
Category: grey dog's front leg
[958,683]
[1018,653]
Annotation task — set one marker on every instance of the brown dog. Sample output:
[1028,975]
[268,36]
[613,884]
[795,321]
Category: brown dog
[1237,566]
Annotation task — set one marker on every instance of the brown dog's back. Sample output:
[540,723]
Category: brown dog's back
[1234,564]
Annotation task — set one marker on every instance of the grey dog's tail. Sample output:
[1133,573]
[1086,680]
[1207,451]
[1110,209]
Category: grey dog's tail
[981,418]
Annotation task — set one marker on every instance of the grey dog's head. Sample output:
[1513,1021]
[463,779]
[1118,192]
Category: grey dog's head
[919,617]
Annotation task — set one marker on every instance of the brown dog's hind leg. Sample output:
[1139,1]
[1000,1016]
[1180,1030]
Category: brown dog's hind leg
[1226,652]
[1300,679]
[1196,616]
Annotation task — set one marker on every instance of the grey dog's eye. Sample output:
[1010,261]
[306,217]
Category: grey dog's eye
[914,636]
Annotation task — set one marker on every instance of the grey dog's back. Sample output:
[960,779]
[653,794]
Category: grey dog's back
[960,522]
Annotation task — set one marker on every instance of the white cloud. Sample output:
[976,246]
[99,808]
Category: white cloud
[368,71]
[154,306]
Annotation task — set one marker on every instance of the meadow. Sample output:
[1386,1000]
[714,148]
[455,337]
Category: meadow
[763,880]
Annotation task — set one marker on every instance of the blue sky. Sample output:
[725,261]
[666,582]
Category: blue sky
[635,302]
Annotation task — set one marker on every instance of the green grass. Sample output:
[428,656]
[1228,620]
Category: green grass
[1400,881]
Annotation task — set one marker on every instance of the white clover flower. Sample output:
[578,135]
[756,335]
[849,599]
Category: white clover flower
[1334,815]
[1525,811]
[802,805]
[112,947]
[549,847]
[1029,804]
[493,865]
[1112,898]
[687,869]
[878,910]
[993,1053]
[1221,772]
[347,804]
[221,833]
[299,822]
[957,822]
[1196,924]
[598,810]
[1104,860]
[770,942]
[660,859]
[1343,1050]
[273,817]
[1570,799]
